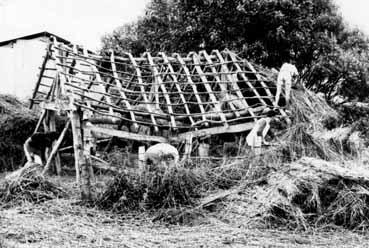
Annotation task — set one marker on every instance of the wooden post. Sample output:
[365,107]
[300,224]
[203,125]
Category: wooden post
[89,145]
[188,146]
[141,158]
[81,161]
[77,141]
[203,150]
[52,127]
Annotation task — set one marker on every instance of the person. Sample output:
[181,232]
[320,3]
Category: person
[287,77]
[256,138]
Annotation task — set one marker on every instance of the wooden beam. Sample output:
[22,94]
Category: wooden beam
[234,84]
[204,80]
[178,87]
[163,88]
[77,141]
[119,86]
[222,85]
[40,121]
[142,88]
[194,88]
[218,130]
[56,105]
[124,134]
[243,76]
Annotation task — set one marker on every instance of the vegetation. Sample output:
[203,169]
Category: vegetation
[311,34]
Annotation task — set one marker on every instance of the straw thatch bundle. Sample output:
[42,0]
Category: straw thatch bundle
[169,187]
[16,124]
[314,191]
[28,184]
[297,142]
[307,106]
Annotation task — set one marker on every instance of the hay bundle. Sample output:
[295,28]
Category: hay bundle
[298,142]
[122,194]
[306,106]
[314,191]
[27,184]
[171,187]
[16,124]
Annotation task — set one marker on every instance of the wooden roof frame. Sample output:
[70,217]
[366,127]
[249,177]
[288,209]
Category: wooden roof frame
[200,93]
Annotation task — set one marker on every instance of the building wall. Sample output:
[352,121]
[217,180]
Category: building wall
[19,66]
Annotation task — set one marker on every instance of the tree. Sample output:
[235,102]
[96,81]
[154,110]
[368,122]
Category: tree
[268,32]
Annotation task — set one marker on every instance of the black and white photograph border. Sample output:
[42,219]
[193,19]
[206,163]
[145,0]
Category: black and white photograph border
[179,123]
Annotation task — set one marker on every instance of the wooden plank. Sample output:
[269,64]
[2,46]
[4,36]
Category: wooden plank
[57,105]
[178,87]
[143,92]
[119,86]
[194,88]
[125,135]
[163,89]
[218,130]
[233,82]
[204,80]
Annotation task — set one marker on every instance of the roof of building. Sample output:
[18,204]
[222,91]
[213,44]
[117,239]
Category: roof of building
[33,36]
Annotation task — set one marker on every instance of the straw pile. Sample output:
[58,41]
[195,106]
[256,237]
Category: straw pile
[309,107]
[314,191]
[27,184]
[16,124]
[171,187]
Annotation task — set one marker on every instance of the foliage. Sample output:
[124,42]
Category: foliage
[309,33]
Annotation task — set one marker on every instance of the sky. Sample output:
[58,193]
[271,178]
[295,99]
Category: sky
[85,21]
[80,21]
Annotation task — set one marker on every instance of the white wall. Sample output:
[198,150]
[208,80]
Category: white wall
[19,66]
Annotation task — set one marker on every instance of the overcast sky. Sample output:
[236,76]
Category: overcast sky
[85,21]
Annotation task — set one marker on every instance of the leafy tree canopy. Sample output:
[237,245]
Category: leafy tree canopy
[309,33]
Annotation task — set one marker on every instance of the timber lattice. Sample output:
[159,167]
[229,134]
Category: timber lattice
[216,92]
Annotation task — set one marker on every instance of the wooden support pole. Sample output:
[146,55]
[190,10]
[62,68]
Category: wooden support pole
[56,146]
[40,121]
[89,145]
[77,141]
[81,161]
[141,158]
[52,128]
[188,146]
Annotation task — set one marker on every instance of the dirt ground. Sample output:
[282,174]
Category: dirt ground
[64,223]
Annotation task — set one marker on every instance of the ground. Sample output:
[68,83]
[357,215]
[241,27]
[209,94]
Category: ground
[64,223]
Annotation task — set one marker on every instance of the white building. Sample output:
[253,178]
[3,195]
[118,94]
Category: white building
[20,60]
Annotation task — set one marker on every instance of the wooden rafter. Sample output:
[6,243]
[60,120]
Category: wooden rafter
[204,80]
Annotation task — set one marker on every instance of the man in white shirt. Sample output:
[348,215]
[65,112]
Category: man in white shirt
[287,76]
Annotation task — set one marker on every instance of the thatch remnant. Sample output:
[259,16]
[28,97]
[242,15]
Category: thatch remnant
[314,191]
